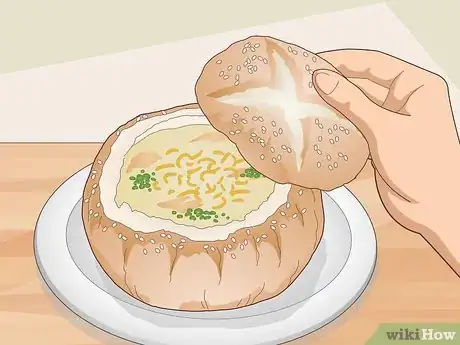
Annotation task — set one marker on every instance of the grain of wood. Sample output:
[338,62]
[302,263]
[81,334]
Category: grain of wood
[411,282]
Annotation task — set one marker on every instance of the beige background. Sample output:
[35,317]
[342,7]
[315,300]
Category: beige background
[37,33]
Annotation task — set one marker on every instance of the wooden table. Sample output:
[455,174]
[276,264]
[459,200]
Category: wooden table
[411,282]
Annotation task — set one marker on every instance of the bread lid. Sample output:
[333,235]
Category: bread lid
[259,93]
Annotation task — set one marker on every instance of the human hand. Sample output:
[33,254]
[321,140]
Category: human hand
[404,113]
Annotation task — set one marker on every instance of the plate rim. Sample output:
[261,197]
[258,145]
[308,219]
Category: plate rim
[361,265]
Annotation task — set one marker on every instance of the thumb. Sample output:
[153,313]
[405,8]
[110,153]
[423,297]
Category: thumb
[350,101]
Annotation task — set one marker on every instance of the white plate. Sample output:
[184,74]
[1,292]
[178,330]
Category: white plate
[337,274]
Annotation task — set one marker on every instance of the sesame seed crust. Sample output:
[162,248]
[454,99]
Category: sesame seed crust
[149,266]
[286,159]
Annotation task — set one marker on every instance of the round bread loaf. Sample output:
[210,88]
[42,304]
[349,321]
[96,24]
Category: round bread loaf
[259,93]
[178,219]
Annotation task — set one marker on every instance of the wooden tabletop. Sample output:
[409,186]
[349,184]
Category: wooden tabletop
[411,282]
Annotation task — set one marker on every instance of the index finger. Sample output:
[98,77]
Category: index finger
[378,67]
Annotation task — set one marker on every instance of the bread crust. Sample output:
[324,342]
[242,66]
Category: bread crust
[167,270]
[330,152]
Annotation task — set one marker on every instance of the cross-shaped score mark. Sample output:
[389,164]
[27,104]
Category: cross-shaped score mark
[283,96]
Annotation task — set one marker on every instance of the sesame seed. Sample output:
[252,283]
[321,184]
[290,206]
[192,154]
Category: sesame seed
[246,109]
[262,157]
[163,112]
[120,236]
[340,154]
[345,157]
[328,157]
[274,221]
[330,167]
[136,236]
[93,191]
[289,49]
[329,131]
[318,164]
[244,121]
[114,225]
[272,149]
[221,73]
[104,229]
[218,62]
[169,236]
[157,250]
[284,147]
[274,160]
[305,54]
[245,242]
[307,67]
[336,164]
[278,157]
[289,150]
[294,216]
[162,246]
[310,85]
[117,133]
[247,45]
[95,215]
[229,246]
[304,210]
[251,140]
[248,232]
[336,139]
[272,227]
[331,141]
[163,235]
[90,212]
[86,200]
[257,45]
[237,131]
[225,77]
[335,127]
[124,238]
[315,147]
[93,177]
[263,129]
[238,68]
[142,239]
[319,152]
[347,131]
[241,247]
[244,50]
[231,133]
[99,162]
[145,251]
[300,192]
[180,247]
[264,236]
[320,126]
[288,205]
[233,240]
[173,245]
[280,131]
[257,239]
[213,249]
[265,61]
[283,213]
[233,256]
[313,59]
[284,226]
[98,204]
[260,58]
[275,133]
[225,250]
[152,241]
[229,68]
[261,119]
[205,246]
[182,240]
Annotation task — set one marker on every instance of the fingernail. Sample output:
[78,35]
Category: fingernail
[326,82]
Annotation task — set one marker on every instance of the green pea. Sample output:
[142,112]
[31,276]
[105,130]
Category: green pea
[174,212]
[153,173]
[189,210]
[180,216]
[257,175]
[132,178]
[141,186]
[212,212]
[215,221]
[150,189]
[243,175]
[228,217]
[207,217]
[135,187]
[222,214]
[193,218]
[216,216]
[142,171]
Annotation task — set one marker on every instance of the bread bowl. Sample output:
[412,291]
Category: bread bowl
[178,220]
[259,92]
